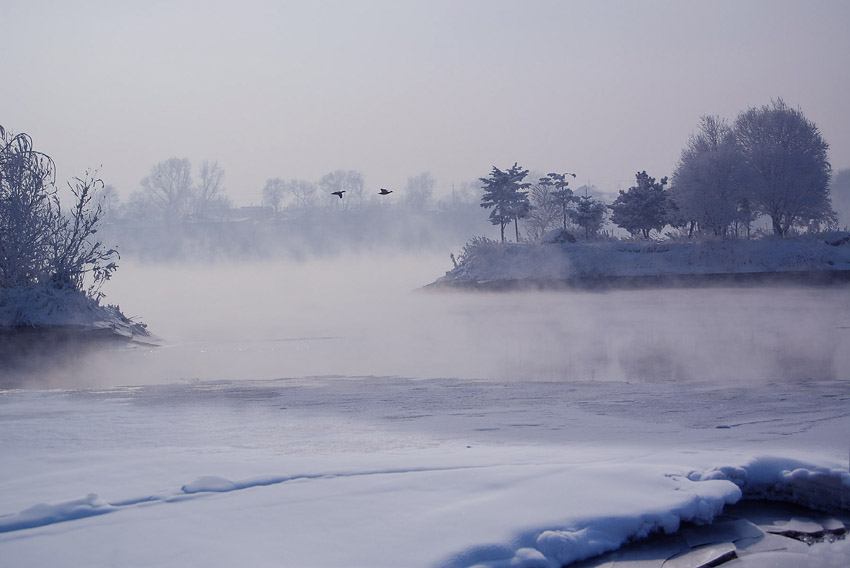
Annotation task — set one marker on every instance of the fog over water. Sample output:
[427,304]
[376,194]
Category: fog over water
[364,315]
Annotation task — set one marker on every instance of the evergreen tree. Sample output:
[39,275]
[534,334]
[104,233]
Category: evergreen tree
[504,192]
[643,207]
[589,214]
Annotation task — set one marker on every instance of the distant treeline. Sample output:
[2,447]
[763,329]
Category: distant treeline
[257,233]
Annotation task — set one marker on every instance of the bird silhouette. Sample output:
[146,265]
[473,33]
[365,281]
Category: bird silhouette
[338,193]
[385,191]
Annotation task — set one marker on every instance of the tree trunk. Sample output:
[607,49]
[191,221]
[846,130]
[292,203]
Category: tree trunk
[516,228]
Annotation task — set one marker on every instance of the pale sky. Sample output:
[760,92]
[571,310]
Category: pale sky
[296,89]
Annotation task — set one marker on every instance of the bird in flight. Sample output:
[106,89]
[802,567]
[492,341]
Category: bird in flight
[338,193]
[385,191]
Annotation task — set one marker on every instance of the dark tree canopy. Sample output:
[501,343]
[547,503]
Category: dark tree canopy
[504,192]
[643,207]
[589,214]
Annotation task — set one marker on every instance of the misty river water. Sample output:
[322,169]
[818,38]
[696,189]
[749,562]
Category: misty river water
[365,316]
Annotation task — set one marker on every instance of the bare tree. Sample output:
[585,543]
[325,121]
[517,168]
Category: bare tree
[303,192]
[350,182]
[75,253]
[109,201]
[545,212]
[273,194]
[419,191]
[208,199]
[168,188]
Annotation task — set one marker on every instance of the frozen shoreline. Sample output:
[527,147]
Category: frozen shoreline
[610,265]
[388,471]
[637,282]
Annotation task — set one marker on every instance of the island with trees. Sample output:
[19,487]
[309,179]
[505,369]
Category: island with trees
[700,227]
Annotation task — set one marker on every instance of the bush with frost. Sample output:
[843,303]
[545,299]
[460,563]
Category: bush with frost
[52,266]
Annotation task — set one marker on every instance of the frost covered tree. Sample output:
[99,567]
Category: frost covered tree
[643,207]
[170,194]
[167,189]
[710,180]
[787,157]
[273,193]
[42,247]
[208,200]
[349,181]
[839,191]
[303,192]
[589,214]
[27,210]
[419,191]
[562,195]
[545,213]
[504,192]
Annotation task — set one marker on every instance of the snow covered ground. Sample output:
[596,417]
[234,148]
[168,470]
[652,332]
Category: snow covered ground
[484,262]
[325,415]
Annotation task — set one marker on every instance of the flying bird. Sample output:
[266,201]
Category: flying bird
[385,191]
[338,193]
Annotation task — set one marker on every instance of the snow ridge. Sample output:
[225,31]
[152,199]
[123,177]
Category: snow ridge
[696,496]
[44,514]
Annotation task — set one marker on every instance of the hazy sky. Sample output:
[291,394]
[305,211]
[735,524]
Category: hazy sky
[296,89]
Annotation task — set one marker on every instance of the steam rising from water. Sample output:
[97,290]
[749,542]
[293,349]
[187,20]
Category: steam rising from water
[362,315]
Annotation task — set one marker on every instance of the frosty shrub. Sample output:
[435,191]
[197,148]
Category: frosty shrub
[42,248]
[478,246]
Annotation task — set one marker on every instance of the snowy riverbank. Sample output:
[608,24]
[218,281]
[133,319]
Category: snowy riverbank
[611,264]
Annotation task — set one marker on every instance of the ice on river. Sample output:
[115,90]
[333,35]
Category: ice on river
[434,432]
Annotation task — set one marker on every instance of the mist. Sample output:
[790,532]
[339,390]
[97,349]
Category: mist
[366,315]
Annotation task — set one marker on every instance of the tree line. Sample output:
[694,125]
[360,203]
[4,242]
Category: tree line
[171,193]
[770,162]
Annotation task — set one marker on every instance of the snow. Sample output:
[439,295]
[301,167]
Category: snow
[331,471]
[283,434]
[63,308]
[489,261]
